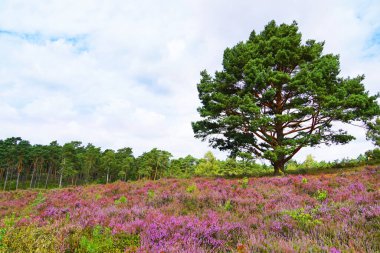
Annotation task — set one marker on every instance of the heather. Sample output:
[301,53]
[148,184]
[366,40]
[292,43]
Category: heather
[336,212]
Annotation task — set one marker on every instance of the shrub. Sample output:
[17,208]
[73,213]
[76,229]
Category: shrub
[244,183]
[151,194]
[40,198]
[126,241]
[2,233]
[304,220]
[10,221]
[227,205]
[191,188]
[190,205]
[321,195]
[29,239]
[100,239]
[121,200]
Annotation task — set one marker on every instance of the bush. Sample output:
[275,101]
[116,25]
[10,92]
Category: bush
[121,200]
[151,195]
[244,183]
[29,239]
[2,234]
[100,239]
[373,156]
[321,195]
[191,188]
[304,220]
[227,205]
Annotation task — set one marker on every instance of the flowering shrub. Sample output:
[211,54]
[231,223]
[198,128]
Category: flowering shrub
[311,213]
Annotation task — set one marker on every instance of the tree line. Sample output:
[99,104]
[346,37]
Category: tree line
[23,165]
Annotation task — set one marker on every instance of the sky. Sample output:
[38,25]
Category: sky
[119,73]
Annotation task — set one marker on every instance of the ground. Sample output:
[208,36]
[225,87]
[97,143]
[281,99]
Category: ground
[335,212]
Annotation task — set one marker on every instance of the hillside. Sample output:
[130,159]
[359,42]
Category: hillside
[337,212]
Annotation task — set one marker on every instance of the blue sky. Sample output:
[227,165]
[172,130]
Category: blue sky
[124,73]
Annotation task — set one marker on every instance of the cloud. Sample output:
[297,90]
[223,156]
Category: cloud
[120,73]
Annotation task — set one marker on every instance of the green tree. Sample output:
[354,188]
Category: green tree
[208,165]
[276,95]
[373,132]
[153,164]
[3,164]
[182,167]
[126,166]
[37,157]
[231,168]
[22,151]
[309,162]
[9,156]
[70,164]
[108,162]
[125,161]
[90,161]
[14,152]
[53,159]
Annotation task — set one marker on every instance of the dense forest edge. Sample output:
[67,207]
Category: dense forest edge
[27,166]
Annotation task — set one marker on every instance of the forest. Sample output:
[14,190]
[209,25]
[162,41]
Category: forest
[24,165]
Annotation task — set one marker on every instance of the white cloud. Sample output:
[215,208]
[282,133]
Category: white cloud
[120,73]
[175,49]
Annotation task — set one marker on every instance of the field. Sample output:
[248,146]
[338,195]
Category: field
[336,212]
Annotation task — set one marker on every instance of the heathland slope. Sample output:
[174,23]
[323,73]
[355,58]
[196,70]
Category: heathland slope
[337,212]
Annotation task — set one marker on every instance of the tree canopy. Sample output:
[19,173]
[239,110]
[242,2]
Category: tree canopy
[276,95]
[373,132]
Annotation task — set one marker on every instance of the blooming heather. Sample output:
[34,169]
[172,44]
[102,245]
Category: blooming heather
[268,214]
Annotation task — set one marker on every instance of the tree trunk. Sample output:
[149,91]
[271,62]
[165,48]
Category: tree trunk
[6,179]
[108,172]
[61,175]
[24,178]
[155,173]
[39,173]
[11,176]
[279,166]
[47,178]
[34,171]
[18,179]
[35,179]
[60,180]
